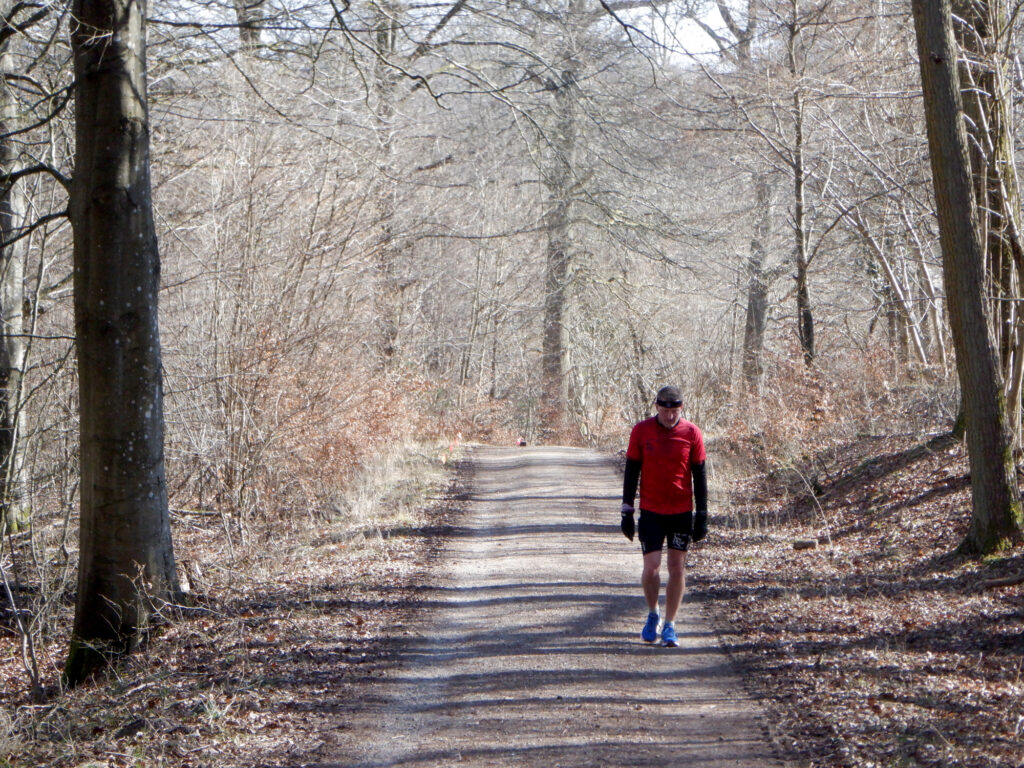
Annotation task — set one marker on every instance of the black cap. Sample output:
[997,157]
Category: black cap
[669,397]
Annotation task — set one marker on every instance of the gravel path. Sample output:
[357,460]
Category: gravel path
[529,653]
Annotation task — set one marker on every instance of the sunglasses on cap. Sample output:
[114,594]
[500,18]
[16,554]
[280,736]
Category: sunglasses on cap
[670,403]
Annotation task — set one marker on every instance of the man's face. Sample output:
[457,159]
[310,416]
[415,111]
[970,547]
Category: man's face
[669,417]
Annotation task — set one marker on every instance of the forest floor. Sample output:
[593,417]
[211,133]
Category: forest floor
[277,620]
[874,647]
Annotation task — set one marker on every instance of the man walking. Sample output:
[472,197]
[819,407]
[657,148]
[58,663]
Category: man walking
[666,455]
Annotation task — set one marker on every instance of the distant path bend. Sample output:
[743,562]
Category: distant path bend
[529,650]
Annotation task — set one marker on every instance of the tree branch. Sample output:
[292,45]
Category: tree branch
[424,46]
[730,22]
[10,178]
[37,224]
[9,28]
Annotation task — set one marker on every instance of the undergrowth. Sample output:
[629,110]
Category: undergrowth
[212,685]
[831,570]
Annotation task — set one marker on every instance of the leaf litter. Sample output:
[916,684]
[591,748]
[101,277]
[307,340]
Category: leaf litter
[875,646]
[256,668]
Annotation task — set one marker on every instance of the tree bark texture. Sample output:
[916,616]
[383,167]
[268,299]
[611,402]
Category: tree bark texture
[804,316]
[250,15]
[997,518]
[126,566]
[559,181]
[13,211]
[982,29]
[388,288]
[757,287]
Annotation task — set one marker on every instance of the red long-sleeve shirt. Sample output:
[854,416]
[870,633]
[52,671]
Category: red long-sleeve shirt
[666,457]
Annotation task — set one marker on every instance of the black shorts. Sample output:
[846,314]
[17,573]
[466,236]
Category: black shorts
[654,529]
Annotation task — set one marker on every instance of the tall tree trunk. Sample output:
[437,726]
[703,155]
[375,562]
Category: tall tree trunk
[804,316]
[997,516]
[982,30]
[757,282]
[559,181]
[388,289]
[13,510]
[126,565]
[757,287]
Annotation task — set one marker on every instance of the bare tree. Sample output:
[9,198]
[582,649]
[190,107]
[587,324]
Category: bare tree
[13,250]
[558,173]
[983,32]
[738,49]
[998,516]
[126,566]
[799,19]
[388,282]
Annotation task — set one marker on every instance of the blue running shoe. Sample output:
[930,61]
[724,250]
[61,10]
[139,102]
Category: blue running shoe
[650,633]
[668,635]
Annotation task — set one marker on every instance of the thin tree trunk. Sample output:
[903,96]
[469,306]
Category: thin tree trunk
[934,314]
[897,296]
[13,510]
[126,565]
[641,392]
[249,14]
[466,359]
[388,288]
[804,316]
[757,287]
[997,516]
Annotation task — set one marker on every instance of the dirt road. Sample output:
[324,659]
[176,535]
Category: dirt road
[528,650]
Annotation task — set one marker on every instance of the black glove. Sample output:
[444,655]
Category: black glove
[700,525]
[628,525]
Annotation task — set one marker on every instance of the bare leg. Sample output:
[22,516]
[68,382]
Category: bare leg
[651,579]
[676,583]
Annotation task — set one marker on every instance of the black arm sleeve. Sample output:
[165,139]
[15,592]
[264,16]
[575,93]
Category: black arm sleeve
[700,487]
[631,481]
